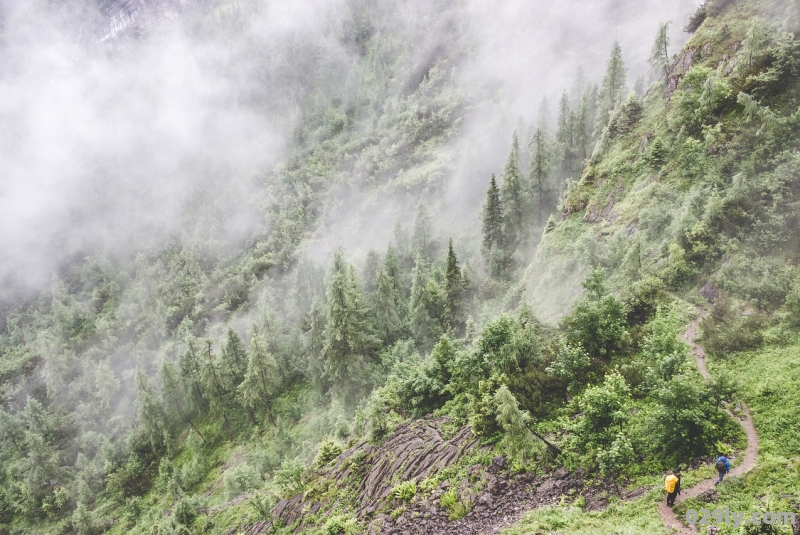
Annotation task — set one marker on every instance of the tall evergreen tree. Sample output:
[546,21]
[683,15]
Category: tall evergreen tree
[612,91]
[314,327]
[454,292]
[173,398]
[514,197]
[260,386]
[421,240]
[541,166]
[152,419]
[388,307]
[192,378]
[11,432]
[394,269]
[582,132]
[234,358]
[494,241]
[370,273]
[424,327]
[215,386]
[659,57]
[349,338]
[565,142]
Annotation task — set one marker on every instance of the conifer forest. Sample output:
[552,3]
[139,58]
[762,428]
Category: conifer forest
[398,267]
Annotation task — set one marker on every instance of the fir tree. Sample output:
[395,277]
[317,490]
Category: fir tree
[192,378]
[388,307]
[234,358]
[370,273]
[421,242]
[494,240]
[454,292]
[394,269]
[514,197]
[11,431]
[152,419]
[582,131]
[82,522]
[565,133]
[260,384]
[349,341]
[424,327]
[314,326]
[612,91]
[659,57]
[173,397]
[218,392]
[541,165]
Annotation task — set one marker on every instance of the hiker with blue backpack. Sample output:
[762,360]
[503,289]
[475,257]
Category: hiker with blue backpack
[723,467]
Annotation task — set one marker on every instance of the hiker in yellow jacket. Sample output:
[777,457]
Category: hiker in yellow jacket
[672,484]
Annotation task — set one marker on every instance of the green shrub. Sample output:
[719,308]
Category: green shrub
[598,322]
[186,510]
[289,478]
[404,491]
[240,479]
[724,331]
[328,451]
[339,525]
[453,505]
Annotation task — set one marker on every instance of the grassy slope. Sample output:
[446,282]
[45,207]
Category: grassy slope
[646,210]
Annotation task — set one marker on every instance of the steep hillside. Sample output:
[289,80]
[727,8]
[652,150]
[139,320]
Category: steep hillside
[243,370]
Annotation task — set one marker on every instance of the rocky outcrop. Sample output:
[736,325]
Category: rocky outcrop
[362,478]
[415,451]
[678,70]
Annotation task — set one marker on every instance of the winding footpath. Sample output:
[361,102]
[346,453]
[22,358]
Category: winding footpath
[748,458]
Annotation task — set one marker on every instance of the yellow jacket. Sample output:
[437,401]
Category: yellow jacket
[669,483]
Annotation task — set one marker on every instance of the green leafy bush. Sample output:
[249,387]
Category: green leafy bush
[328,451]
[239,479]
[404,491]
[451,503]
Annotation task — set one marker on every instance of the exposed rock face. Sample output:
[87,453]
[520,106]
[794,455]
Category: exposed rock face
[677,71]
[413,452]
[364,477]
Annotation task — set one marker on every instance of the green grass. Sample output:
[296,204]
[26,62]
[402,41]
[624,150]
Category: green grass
[768,380]
[622,518]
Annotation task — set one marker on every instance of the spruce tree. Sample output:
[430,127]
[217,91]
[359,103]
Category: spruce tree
[582,132]
[152,419]
[314,326]
[388,308]
[424,327]
[234,359]
[261,382]
[421,241]
[514,197]
[394,269]
[612,91]
[494,242]
[192,378]
[173,397]
[454,292]
[11,431]
[565,143]
[659,57]
[541,166]
[370,273]
[214,384]
[349,339]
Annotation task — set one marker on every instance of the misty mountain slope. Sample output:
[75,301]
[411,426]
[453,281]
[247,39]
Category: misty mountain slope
[291,294]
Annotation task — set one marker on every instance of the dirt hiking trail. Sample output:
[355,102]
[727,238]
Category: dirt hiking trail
[748,457]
